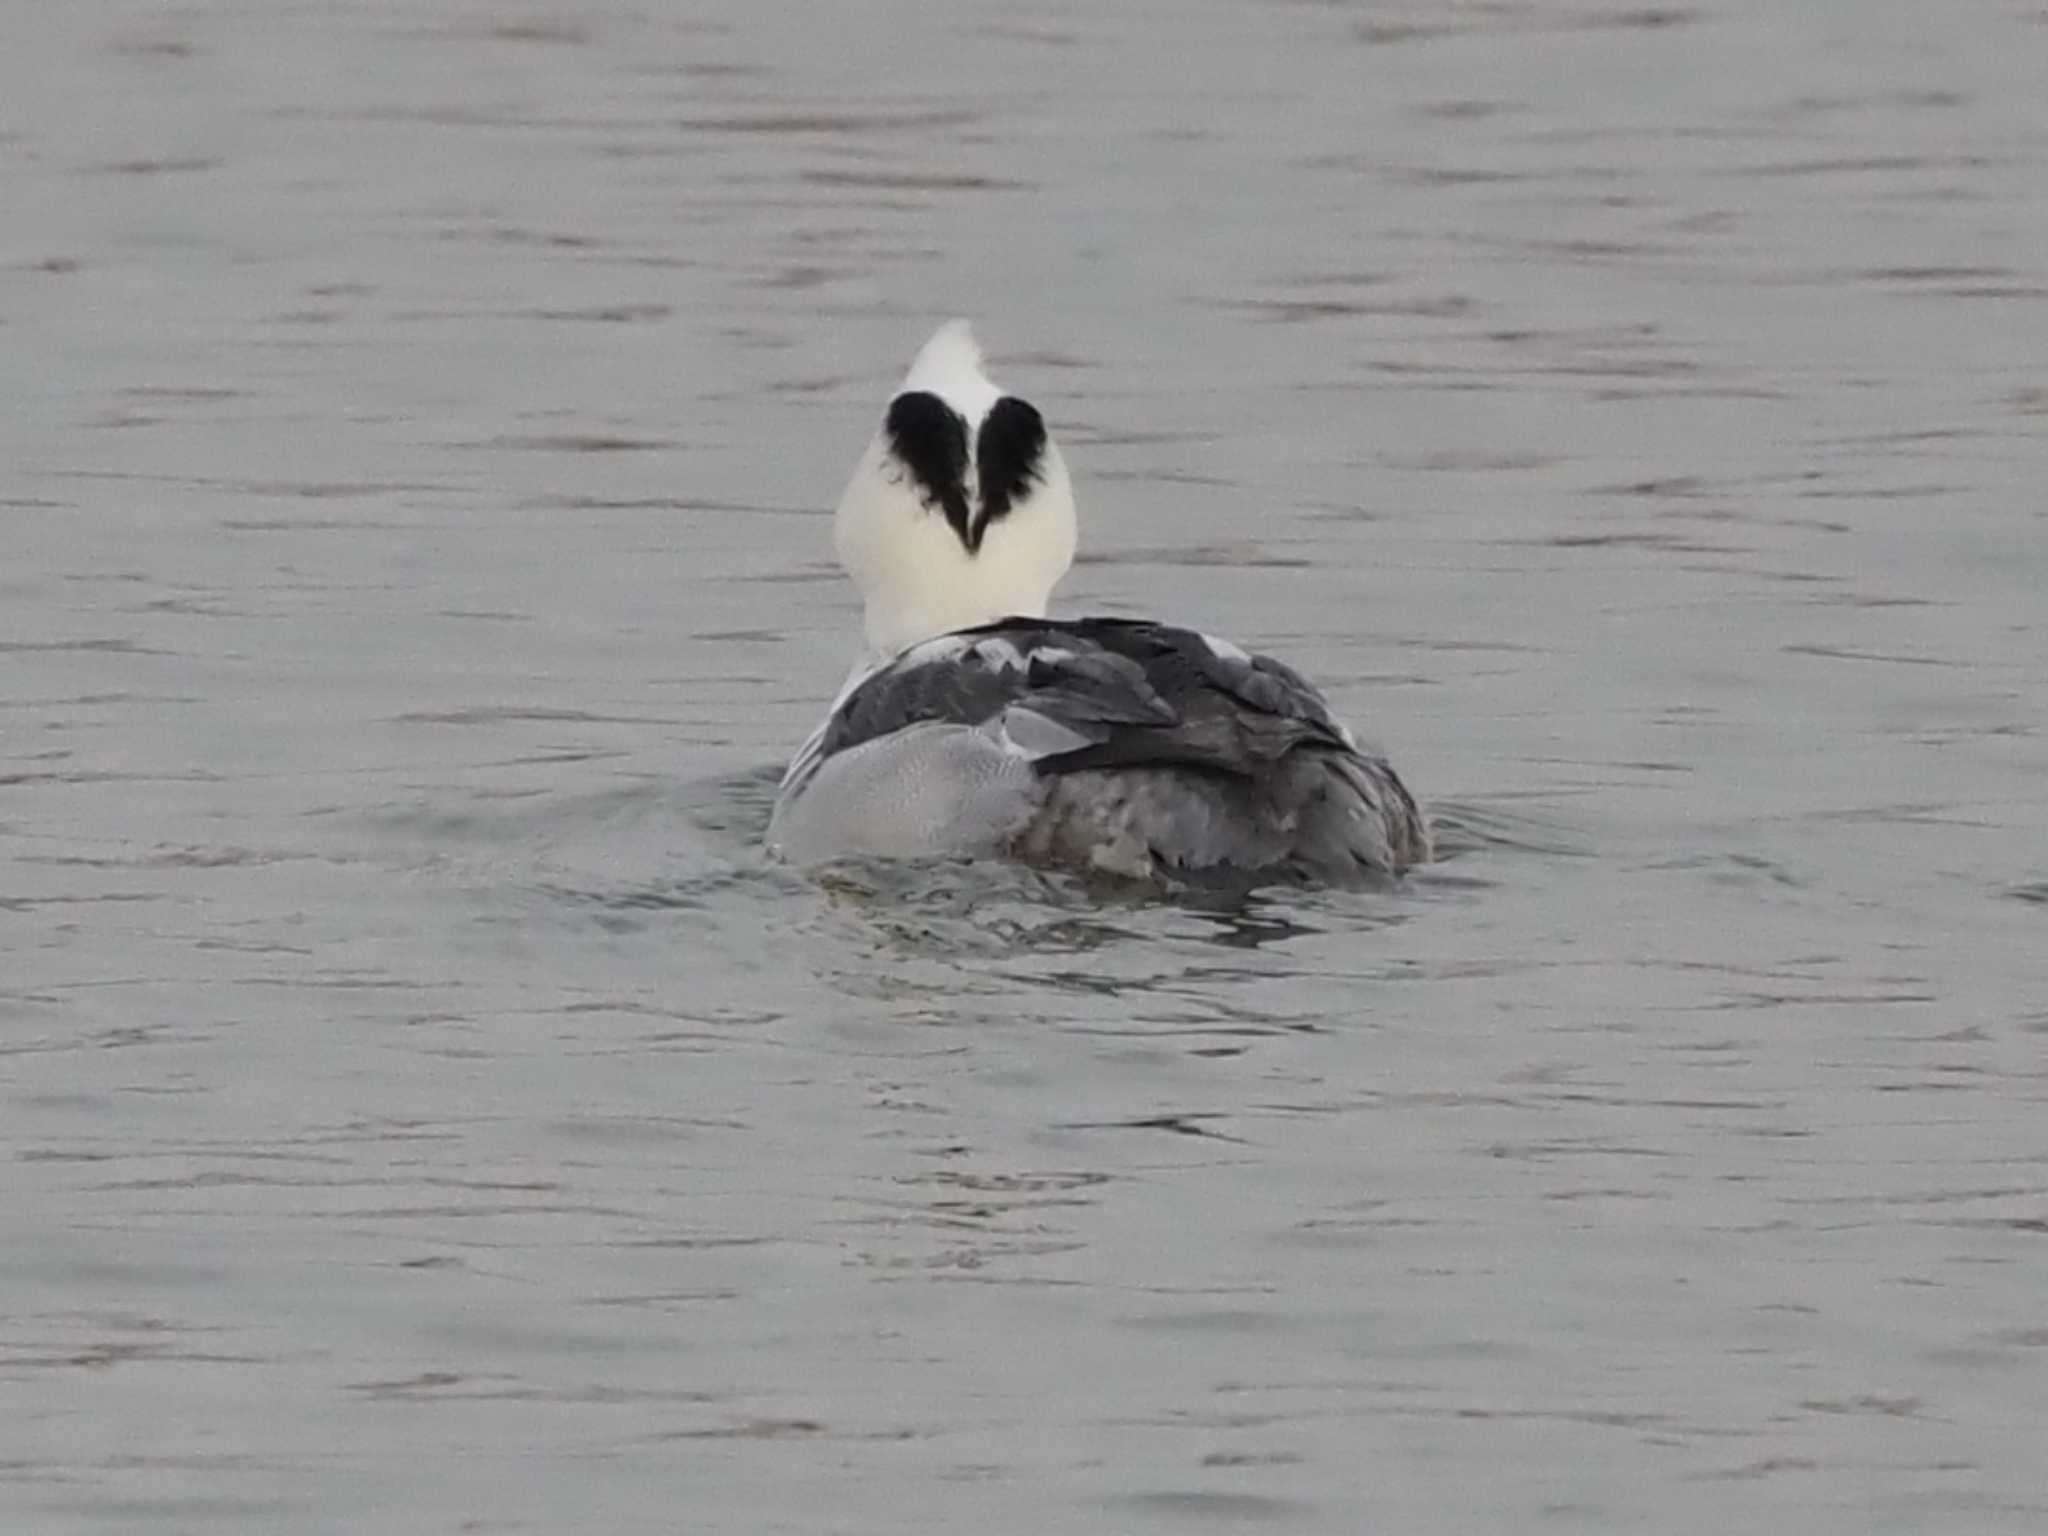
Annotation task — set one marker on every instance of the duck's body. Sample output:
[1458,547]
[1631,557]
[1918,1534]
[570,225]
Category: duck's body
[979,727]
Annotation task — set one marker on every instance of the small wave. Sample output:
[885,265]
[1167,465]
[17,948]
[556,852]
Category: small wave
[1463,827]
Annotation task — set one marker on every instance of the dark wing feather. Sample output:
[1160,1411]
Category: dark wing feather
[1232,714]
[909,691]
[972,676]
[1142,694]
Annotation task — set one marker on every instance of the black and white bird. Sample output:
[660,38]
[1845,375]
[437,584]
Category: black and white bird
[974,725]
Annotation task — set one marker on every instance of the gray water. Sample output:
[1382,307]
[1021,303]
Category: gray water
[422,1109]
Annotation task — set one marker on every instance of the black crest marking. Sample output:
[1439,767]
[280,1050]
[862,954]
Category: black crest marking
[1010,456]
[929,438]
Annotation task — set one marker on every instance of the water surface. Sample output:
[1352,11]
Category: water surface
[425,1111]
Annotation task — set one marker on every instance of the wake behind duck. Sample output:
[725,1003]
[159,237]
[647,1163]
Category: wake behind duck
[976,726]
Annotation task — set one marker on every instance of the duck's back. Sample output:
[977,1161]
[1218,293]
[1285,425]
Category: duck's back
[1119,744]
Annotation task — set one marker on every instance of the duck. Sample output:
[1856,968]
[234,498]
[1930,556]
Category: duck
[974,726]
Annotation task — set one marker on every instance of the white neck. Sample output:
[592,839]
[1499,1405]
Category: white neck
[927,584]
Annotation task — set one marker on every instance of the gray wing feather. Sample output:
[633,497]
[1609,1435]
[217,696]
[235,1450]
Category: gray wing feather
[1137,693]
[1158,748]
[1228,713]
[977,675]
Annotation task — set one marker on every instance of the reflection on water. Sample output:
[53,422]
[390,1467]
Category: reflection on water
[425,1106]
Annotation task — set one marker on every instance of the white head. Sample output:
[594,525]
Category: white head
[960,512]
